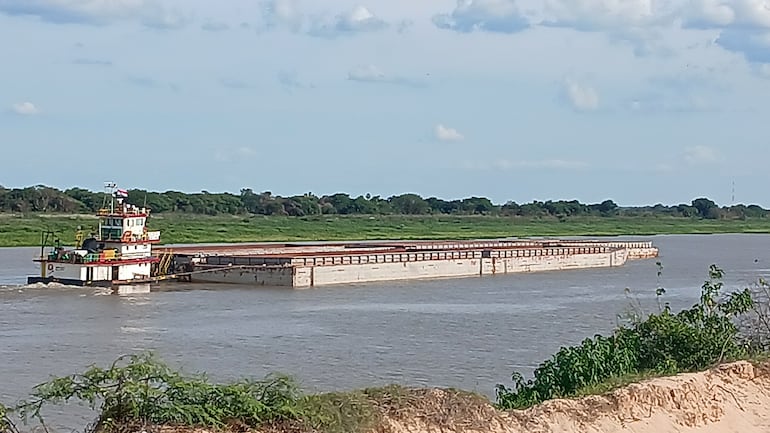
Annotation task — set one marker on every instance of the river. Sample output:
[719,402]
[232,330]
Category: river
[469,333]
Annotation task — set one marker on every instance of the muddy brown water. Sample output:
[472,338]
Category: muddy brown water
[469,333]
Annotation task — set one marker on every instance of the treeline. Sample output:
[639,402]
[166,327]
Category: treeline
[43,199]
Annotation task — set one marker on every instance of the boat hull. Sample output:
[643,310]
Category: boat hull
[70,282]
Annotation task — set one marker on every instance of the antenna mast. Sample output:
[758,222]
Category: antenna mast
[733,196]
[109,191]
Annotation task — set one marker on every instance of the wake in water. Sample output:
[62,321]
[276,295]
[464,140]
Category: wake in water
[54,287]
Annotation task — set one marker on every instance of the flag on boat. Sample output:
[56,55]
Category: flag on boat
[121,193]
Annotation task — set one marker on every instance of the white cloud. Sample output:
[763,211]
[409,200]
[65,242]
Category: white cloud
[720,14]
[499,16]
[287,13]
[282,12]
[699,154]
[445,133]
[744,25]
[151,13]
[25,109]
[358,20]
[581,97]
[591,15]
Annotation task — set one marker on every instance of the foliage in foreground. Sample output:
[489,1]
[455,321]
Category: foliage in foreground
[662,343]
[139,389]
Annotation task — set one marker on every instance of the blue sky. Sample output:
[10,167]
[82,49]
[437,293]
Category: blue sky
[640,101]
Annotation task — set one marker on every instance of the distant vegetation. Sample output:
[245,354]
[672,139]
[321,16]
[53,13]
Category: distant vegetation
[43,199]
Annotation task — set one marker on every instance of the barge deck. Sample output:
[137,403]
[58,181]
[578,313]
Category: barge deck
[321,264]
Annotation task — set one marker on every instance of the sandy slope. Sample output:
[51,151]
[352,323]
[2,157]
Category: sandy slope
[730,398]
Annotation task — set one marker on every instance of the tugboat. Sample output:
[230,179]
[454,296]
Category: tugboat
[119,254]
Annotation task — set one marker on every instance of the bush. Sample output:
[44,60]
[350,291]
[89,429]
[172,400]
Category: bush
[140,390]
[663,343]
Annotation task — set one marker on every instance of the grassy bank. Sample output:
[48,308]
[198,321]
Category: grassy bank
[17,230]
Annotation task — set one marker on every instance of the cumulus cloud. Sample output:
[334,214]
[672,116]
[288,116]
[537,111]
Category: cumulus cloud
[25,109]
[744,25]
[636,22]
[752,43]
[591,15]
[445,133]
[706,14]
[95,12]
[358,20]
[372,74]
[699,155]
[580,96]
[500,16]
[286,13]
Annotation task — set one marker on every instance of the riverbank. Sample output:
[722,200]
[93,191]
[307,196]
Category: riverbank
[727,398]
[18,230]
[731,397]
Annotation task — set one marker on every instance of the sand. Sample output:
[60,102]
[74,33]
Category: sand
[730,398]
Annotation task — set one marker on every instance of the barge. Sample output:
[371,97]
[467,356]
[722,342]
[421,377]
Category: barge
[122,254]
[313,265]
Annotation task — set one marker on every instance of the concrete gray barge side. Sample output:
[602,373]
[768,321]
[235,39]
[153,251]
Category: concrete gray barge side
[322,264]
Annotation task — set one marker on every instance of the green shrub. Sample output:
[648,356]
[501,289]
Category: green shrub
[664,343]
[139,389]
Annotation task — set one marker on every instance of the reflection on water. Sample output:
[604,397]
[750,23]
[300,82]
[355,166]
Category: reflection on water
[468,333]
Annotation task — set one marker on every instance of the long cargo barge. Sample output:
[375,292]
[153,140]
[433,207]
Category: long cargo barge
[322,264]
[123,253]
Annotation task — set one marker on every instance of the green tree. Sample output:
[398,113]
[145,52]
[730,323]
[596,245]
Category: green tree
[409,204]
[706,208]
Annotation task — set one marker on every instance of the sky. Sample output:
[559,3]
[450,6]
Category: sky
[638,101]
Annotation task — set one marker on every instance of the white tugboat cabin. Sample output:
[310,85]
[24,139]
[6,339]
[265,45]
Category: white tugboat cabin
[119,253]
